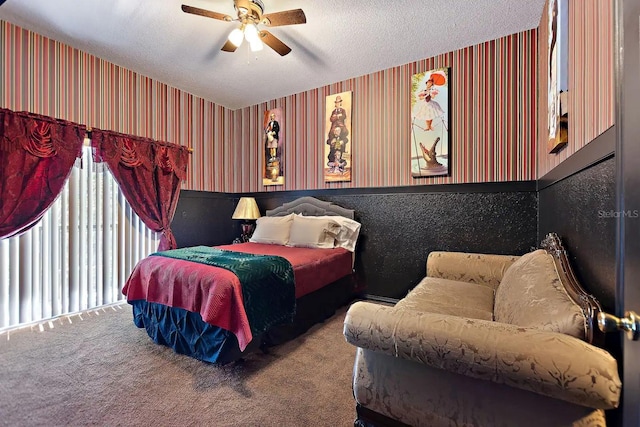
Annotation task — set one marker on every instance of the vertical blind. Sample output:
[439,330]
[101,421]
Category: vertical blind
[78,256]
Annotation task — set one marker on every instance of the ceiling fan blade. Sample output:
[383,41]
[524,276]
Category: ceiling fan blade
[207,13]
[229,47]
[274,43]
[287,17]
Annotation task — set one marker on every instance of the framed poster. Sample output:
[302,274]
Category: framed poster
[430,123]
[558,81]
[272,141]
[338,153]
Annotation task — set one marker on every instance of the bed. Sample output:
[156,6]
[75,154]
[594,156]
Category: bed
[217,304]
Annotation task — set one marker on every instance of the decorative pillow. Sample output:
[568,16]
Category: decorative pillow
[532,295]
[272,229]
[313,232]
[349,231]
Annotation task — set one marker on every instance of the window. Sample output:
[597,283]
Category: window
[78,256]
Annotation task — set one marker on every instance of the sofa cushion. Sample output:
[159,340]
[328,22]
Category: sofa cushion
[443,296]
[483,269]
[531,295]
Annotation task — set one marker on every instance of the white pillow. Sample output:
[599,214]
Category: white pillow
[313,232]
[272,229]
[348,234]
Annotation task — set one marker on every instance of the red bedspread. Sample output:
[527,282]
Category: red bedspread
[216,294]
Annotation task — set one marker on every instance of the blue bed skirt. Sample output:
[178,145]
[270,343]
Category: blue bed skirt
[185,332]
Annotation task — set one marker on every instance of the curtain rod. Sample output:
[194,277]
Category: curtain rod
[189,149]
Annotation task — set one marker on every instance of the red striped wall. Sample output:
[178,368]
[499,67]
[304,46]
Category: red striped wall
[46,77]
[493,124]
[591,94]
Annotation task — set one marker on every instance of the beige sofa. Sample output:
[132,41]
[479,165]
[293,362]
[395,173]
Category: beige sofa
[484,340]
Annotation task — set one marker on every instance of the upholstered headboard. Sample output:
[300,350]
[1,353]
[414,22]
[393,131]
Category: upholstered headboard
[310,206]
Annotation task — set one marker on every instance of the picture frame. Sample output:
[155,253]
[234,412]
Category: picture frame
[337,161]
[430,117]
[273,148]
[558,85]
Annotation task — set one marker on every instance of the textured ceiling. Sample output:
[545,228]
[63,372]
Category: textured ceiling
[340,40]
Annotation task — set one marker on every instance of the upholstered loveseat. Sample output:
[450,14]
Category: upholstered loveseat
[484,340]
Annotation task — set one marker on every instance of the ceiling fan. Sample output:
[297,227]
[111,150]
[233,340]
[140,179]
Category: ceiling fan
[250,15]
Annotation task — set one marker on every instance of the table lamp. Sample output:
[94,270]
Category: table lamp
[247,210]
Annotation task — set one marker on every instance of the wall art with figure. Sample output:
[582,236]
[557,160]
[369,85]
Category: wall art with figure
[430,123]
[558,79]
[338,147]
[273,148]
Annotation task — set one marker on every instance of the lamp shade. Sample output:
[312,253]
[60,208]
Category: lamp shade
[247,209]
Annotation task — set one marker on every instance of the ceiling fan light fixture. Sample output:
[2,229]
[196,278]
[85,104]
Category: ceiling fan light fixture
[251,34]
[251,14]
[256,46]
[236,37]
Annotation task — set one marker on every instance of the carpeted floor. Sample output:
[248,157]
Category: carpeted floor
[104,371]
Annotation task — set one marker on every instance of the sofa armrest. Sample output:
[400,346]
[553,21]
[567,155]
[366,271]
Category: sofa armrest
[483,269]
[547,363]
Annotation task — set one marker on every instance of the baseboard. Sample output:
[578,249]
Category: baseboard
[376,298]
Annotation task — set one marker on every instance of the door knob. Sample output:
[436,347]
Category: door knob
[630,323]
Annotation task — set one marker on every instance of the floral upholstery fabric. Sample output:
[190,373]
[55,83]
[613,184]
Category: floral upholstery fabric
[418,395]
[482,269]
[450,297]
[450,354]
[532,295]
[547,363]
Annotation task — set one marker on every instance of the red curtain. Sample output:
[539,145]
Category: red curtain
[36,157]
[148,173]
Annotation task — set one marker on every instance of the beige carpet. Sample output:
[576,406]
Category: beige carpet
[105,371]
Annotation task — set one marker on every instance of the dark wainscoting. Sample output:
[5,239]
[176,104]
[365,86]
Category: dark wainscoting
[204,218]
[578,201]
[400,226]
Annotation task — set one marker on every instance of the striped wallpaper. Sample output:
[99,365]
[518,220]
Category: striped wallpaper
[591,78]
[493,123]
[493,127]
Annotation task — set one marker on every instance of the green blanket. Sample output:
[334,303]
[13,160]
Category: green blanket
[267,282]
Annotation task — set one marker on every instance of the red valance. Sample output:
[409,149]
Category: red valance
[132,151]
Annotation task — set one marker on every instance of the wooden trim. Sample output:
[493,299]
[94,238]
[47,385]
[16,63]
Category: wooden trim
[477,187]
[598,150]
[196,194]
[589,304]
